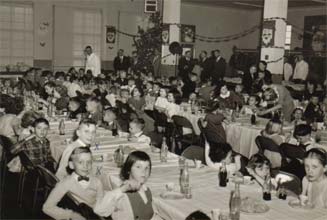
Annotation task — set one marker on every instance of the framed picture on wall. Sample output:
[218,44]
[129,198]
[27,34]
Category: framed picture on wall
[187,33]
[165,34]
[111,35]
[314,37]
[188,47]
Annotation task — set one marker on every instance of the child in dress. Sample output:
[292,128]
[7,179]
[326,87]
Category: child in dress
[252,105]
[80,183]
[314,184]
[133,199]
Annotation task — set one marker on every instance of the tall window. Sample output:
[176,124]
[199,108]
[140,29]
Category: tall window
[16,34]
[87,31]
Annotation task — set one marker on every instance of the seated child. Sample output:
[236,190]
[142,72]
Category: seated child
[80,183]
[133,199]
[136,127]
[298,117]
[76,108]
[259,168]
[273,131]
[313,112]
[218,153]
[314,184]
[252,105]
[84,136]
[161,103]
[38,147]
[94,110]
[110,119]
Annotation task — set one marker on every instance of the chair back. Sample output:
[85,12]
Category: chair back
[181,122]
[295,185]
[26,161]
[265,143]
[6,144]
[194,153]
[50,180]
[292,151]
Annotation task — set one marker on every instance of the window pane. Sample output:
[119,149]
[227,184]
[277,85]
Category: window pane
[16,38]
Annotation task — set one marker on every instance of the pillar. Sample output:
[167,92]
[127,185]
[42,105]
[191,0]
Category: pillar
[171,15]
[273,35]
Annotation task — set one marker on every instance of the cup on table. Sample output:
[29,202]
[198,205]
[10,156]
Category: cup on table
[170,186]
[247,180]
[197,164]
[224,215]
[303,200]
[215,213]
[188,192]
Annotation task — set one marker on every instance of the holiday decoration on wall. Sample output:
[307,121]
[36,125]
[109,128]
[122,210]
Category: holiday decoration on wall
[148,42]
[268,33]
[187,33]
[43,31]
[111,35]
[165,34]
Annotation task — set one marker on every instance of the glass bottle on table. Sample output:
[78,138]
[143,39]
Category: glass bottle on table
[120,156]
[62,127]
[164,150]
[266,188]
[184,179]
[235,203]
[114,129]
[222,175]
[253,119]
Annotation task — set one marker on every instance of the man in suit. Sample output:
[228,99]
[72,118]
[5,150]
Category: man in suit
[205,65]
[219,67]
[185,65]
[121,62]
[135,63]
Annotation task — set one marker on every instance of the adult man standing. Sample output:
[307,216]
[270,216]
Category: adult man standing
[301,70]
[92,62]
[185,65]
[205,65]
[219,67]
[121,62]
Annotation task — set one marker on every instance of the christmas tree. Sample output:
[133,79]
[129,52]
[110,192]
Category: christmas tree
[148,42]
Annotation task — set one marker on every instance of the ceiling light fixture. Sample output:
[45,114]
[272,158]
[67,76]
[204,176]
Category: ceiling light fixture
[247,4]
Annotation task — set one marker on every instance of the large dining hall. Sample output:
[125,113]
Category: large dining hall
[163,109]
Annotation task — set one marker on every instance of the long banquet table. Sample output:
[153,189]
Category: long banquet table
[206,195]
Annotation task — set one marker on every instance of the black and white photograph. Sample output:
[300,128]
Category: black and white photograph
[163,109]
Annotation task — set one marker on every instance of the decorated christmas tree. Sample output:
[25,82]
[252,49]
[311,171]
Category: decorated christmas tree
[148,43]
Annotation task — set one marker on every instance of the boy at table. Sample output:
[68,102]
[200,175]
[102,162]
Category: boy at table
[38,147]
[110,119]
[82,185]
[302,133]
[84,136]
[94,110]
[136,127]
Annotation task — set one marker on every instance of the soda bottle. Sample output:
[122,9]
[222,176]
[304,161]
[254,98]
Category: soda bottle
[235,203]
[266,189]
[222,175]
[164,151]
[62,127]
[253,119]
[114,129]
[184,179]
